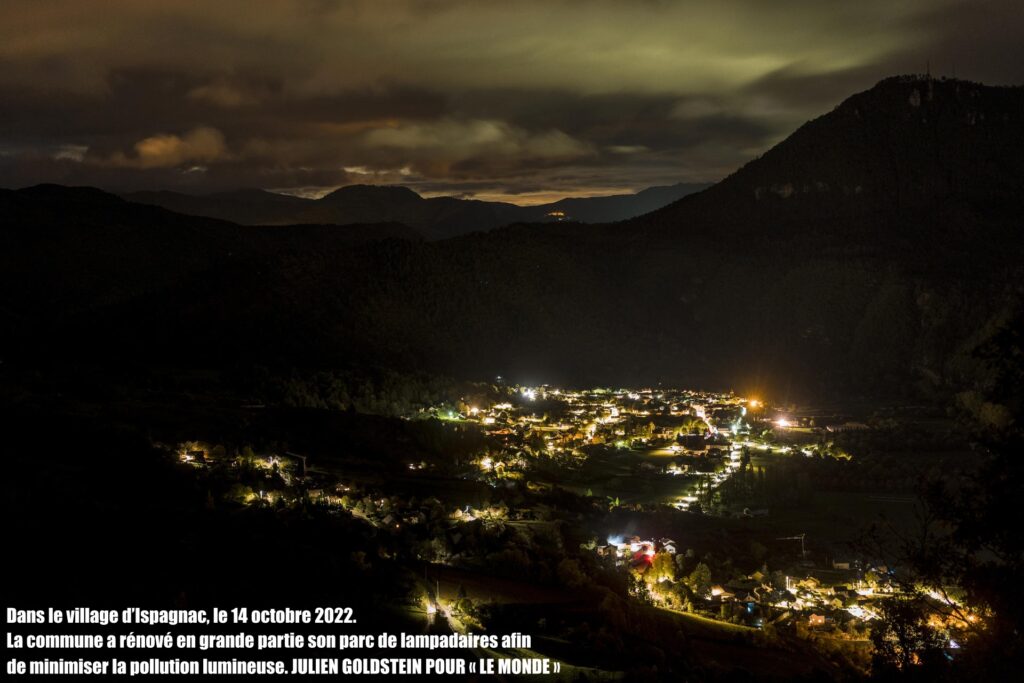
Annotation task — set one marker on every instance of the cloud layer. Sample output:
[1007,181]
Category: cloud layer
[538,97]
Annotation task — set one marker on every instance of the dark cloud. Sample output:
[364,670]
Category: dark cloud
[525,100]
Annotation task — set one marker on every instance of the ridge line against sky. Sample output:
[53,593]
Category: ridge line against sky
[525,102]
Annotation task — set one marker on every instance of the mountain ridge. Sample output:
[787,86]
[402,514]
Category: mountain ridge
[790,292]
[904,143]
[434,217]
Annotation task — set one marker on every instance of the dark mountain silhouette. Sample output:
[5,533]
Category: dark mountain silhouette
[77,252]
[909,145]
[870,252]
[621,207]
[246,207]
[435,218]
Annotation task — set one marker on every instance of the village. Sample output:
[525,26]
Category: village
[599,460]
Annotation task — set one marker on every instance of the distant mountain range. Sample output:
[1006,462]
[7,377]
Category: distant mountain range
[875,250]
[434,218]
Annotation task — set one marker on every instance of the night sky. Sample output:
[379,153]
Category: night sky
[523,101]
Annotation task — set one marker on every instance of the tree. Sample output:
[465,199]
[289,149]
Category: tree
[637,587]
[699,580]
[902,637]
[662,568]
[969,546]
